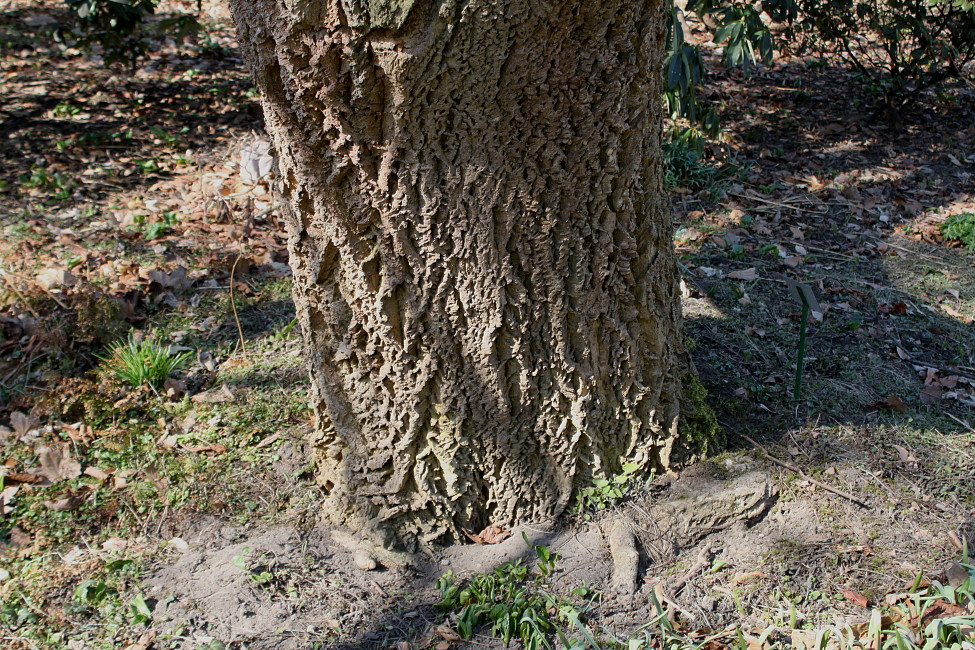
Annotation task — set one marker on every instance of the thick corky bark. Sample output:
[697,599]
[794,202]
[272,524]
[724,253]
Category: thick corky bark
[482,253]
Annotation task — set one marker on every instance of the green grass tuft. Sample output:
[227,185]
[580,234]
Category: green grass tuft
[137,363]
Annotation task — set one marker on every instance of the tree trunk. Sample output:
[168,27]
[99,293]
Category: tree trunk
[483,265]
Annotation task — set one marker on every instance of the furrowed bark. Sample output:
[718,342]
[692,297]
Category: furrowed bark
[483,266]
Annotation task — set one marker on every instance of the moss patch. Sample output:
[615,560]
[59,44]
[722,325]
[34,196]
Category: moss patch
[698,427]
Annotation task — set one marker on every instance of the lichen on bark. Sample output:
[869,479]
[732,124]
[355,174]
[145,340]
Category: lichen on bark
[389,14]
[483,264]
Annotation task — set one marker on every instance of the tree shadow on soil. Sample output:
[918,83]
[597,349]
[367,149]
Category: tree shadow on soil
[110,120]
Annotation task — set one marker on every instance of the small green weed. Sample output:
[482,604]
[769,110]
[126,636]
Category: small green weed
[103,594]
[149,166]
[156,229]
[161,136]
[942,632]
[605,492]
[961,228]
[685,167]
[65,109]
[920,623]
[261,576]
[737,252]
[660,632]
[513,600]
[141,362]
[283,333]
[59,184]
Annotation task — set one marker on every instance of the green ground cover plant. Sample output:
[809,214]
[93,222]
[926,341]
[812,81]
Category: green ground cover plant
[515,602]
[960,228]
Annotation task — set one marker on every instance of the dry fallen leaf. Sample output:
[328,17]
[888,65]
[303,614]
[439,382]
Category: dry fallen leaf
[860,629]
[18,538]
[173,388]
[6,496]
[893,599]
[215,449]
[160,481]
[23,477]
[931,394]
[144,642]
[892,402]
[56,464]
[855,598]
[175,280]
[256,160]
[56,277]
[74,555]
[96,473]
[215,395]
[22,423]
[115,544]
[906,457]
[121,478]
[207,361]
[746,274]
[490,535]
[62,504]
[955,540]
[956,575]
[749,576]
[78,432]
[803,638]
[446,633]
[939,609]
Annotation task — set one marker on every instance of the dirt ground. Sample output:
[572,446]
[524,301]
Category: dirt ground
[772,543]
[188,518]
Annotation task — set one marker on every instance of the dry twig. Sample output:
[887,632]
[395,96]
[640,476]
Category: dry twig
[793,468]
[702,562]
[233,306]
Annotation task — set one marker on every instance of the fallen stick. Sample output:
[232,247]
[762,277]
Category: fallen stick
[233,306]
[702,562]
[792,468]
[961,422]
[781,205]
[23,300]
